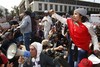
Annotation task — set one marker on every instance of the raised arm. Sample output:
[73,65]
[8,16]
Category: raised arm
[58,17]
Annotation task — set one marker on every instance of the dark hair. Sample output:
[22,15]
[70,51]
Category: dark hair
[27,12]
[1,39]
[33,15]
[84,18]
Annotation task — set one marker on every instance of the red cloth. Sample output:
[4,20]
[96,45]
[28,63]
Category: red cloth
[79,34]
[4,58]
[85,63]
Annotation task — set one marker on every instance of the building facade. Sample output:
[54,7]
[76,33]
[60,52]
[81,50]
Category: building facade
[60,6]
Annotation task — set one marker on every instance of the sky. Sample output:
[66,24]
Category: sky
[11,3]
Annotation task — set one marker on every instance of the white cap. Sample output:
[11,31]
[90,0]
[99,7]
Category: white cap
[46,11]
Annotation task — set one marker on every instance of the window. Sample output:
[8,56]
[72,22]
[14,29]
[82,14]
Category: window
[40,6]
[45,7]
[56,7]
[91,9]
[60,7]
[51,6]
[65,8]
[51,0]
[73,8]
[69,8]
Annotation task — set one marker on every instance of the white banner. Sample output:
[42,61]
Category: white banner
[95,19]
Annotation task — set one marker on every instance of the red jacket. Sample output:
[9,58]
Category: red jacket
[79,34]
[3,58]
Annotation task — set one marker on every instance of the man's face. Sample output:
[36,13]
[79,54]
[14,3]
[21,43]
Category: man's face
[46,14]
[33,51]
[21,15]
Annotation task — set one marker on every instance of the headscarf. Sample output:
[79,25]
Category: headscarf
[38,47]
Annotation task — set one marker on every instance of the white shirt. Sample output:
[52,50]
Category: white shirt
[47,22]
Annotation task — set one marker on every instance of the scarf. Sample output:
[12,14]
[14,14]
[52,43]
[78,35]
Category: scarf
[36,62]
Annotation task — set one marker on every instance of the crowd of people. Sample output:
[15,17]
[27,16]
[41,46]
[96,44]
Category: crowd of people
[53,41]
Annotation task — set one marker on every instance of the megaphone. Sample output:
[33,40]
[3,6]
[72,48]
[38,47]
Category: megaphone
[13,51]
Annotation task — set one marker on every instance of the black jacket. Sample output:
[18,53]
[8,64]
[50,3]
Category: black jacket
[45,61]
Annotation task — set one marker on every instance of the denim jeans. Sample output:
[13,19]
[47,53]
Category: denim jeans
[19,39]
[81,54]
[26,39]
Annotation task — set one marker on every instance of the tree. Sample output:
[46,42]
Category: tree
[12,13]
[29,9]
[1,15]
[6,12]
[16,10]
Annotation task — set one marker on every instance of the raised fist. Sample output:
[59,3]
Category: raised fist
[51,11]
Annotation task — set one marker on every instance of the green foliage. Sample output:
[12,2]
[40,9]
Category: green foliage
[29,9]
[1,15]
[12,13]
[16,10]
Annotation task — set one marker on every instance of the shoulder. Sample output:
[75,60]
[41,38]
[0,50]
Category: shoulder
[44,56]
[27,17]
[68,19]
[88,24]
